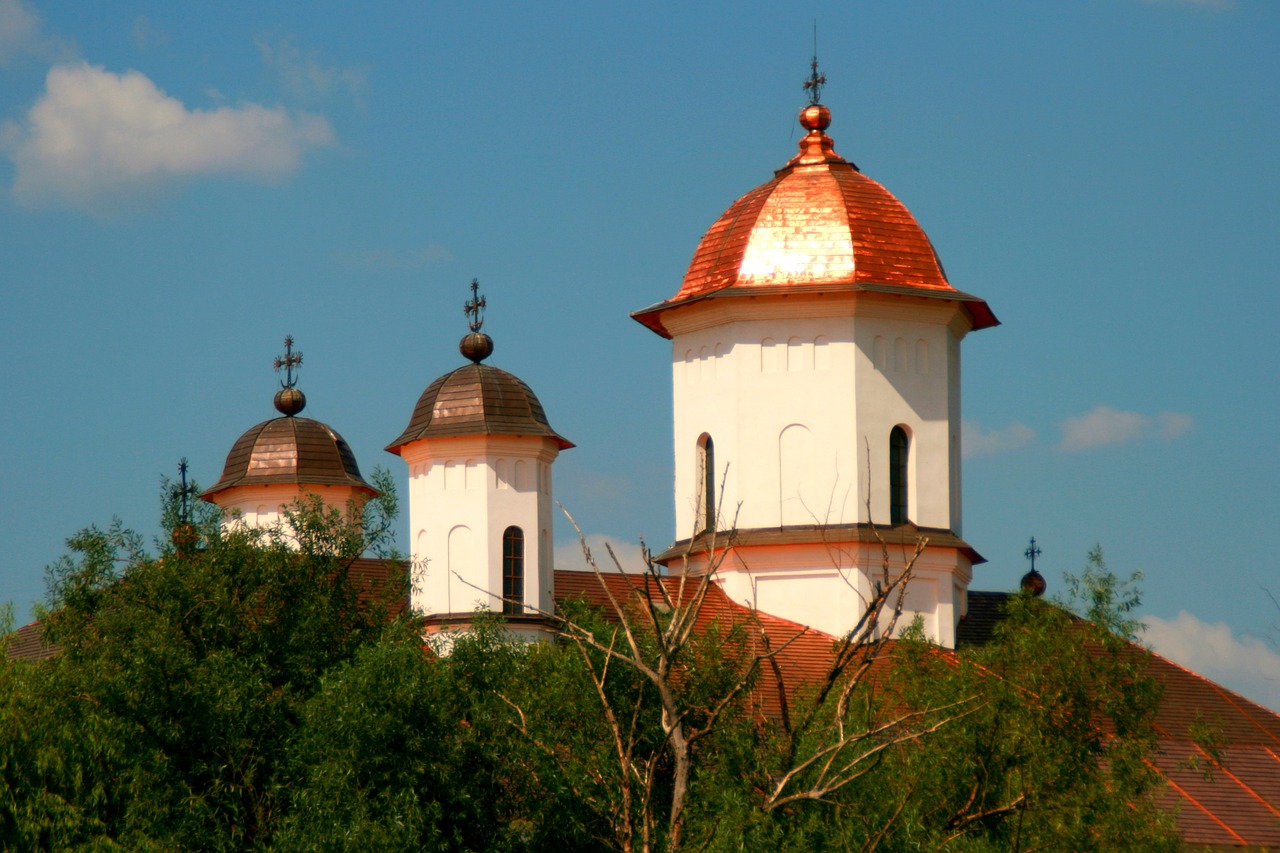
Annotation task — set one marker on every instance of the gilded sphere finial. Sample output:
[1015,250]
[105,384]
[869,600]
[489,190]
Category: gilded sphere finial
[476,346]
[290,401]
[815,117]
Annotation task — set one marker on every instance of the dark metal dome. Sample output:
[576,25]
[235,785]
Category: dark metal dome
[291,450]
[477,400]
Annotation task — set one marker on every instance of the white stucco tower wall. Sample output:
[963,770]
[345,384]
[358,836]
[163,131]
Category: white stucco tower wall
[465,494]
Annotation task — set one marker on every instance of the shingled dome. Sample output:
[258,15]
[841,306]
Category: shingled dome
[290,450]
[477,400]
[820,224]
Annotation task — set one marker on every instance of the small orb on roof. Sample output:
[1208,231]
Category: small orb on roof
[290,401]
[1034,583]
[815,117]
[476,346]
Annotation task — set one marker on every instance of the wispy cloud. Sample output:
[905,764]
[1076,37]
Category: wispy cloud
[303,75]
[95,136]
[397,260]
[145,34]
[1105,425]
[1244,664]
[20,35]
[977,440]
[568,554]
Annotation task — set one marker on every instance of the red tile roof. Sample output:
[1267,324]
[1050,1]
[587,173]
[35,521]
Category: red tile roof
[1235,804]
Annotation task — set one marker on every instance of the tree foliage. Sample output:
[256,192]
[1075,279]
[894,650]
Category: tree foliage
[235,690]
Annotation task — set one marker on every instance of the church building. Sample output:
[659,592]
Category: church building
[816,384]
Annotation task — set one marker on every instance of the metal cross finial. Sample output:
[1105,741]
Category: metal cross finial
[474,307]
[288,362]
[1033,551]
[816,78]
[183,492]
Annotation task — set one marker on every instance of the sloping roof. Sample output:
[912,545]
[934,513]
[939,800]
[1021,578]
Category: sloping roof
[804,662]
[477,399]
[820,223]
[293,451]
[28,643]
[1234,806]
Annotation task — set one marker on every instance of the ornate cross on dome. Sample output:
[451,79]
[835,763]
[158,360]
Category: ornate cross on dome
[816,78]
[288,362]
[1033,551]
[474,307]
[183,491]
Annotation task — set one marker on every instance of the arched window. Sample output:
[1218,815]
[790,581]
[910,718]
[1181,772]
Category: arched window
[513,571]
[898,450]
[707,470]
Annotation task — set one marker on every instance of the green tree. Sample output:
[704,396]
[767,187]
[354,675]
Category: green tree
[180,678]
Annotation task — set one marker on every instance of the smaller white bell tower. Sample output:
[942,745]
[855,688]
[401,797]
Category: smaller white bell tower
[276,462]
[479,451]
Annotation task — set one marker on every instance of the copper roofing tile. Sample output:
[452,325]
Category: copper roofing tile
[477,399]
[819,221]
[290,450]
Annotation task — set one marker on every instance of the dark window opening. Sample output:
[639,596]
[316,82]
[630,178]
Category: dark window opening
[513,571]
[707,461]
[898,451]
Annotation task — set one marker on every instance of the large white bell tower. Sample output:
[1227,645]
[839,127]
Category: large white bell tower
[816,390]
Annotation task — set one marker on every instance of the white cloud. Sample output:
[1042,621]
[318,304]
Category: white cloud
[568,554]
[1105,425]
[95,135]
[302,74]
[1243,664]
[977,440]
[19,31]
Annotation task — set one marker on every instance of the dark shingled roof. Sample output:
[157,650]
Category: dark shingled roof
[907,535]
[294,451]
[477,399]
[28,643]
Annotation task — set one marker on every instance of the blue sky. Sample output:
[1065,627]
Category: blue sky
[182,187]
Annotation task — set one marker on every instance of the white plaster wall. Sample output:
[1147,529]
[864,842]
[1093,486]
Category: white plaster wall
[922,395]
[263,506]
[464,493]
[826,586]
[796,423]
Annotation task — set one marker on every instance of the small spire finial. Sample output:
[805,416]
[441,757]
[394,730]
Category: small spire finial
[183,491]
[289,400]
[816,78]
[474,307]
[1033,551]
[1033,582]
[476,345]
[288,362]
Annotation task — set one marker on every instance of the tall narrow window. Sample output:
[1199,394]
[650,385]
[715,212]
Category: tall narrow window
[898,450]
[513,571]
[707,469]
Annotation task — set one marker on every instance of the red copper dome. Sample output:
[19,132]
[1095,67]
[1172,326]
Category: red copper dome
[819,224]
[295,451]
[477,399]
